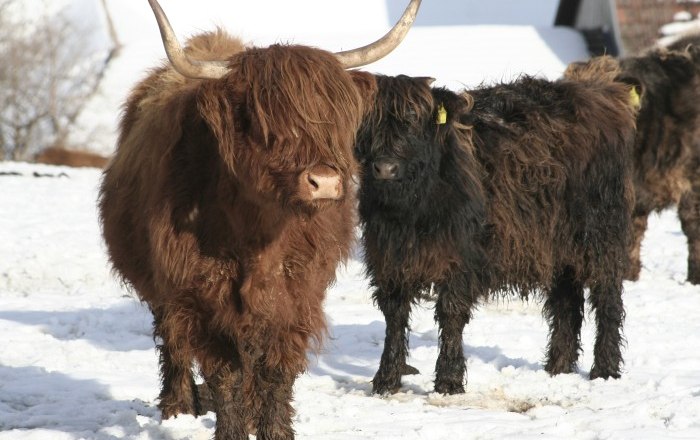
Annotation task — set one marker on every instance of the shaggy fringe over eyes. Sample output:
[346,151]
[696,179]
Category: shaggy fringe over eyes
[413,99]
[400,99]
[300,98]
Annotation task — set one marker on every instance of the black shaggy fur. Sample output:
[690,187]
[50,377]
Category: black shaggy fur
[525,188]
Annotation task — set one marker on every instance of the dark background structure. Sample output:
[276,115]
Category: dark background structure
[620,27]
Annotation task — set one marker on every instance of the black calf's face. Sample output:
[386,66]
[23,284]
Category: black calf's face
[397,145]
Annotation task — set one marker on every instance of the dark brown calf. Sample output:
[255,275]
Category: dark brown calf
[522,187]
[666,155]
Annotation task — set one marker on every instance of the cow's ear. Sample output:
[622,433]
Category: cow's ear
[459,166]
[636,88]
[367,86]
[677,64]
[457,106]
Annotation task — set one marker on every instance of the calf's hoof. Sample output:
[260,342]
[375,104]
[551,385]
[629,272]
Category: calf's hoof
[385,385]
[449,387]
[173,408]
[275,433]
[554,368]
[694,277]
[605,374]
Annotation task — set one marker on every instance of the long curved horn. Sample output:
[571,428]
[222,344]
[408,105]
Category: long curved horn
[176,54]
[380,48]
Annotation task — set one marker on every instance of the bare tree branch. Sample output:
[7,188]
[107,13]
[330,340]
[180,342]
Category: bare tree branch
[47,77]
[112,31]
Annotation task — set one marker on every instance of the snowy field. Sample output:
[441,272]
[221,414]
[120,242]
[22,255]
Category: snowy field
[77,359]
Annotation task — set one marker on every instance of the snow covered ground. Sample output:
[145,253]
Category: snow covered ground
[77,359]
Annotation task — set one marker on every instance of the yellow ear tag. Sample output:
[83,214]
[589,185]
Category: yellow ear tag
[441,115]
[635,100]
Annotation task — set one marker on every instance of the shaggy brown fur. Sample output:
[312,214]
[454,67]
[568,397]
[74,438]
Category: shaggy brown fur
[204,216]
[525,188]
[71,158]
[667,145]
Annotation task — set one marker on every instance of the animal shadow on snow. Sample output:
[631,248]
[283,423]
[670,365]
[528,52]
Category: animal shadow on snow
[351,354]
[124,327]
[34,398]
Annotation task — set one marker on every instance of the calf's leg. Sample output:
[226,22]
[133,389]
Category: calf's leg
[689,213]
[224,379]
[639,227]
[453,311]
[274,388]
[206,401]
[564,312]
[178,393]
[606,300]
[395,304]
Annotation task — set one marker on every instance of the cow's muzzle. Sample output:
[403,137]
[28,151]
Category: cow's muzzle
[387,168]
[320,183]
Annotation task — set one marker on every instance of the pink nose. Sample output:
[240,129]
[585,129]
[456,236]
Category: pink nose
[321,182]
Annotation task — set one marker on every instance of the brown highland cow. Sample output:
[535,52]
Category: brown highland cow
[227,207]
[523,187]
[667,145]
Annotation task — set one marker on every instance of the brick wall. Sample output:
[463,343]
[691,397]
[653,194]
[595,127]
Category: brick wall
[640,20]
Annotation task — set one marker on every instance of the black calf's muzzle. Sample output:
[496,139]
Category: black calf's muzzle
[387,169]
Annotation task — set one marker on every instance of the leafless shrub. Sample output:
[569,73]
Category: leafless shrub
[50,68]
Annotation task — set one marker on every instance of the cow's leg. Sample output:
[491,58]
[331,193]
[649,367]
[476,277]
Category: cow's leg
[453,311]
[689,213]
[274,389]
[206,401]
[564,312]
[639,227]
[178,393]
[606,300]
[225,382]
[395,304]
